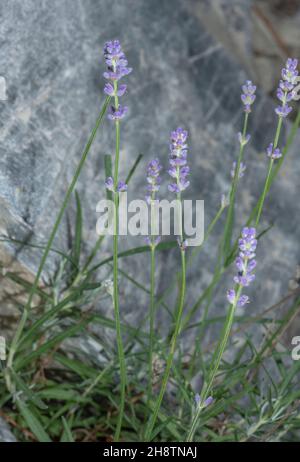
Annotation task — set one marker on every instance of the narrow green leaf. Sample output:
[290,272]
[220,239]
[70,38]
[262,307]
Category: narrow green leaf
[31,395]
[67,333]
[80,369]
[137,250]
[33,422]
[78,232]
[60,394]
[133,168]
[108,173]
[67,434]
[48,315]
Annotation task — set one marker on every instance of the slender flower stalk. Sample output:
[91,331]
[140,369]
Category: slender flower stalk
[178,171]
[285,94]
[248,97]
[153,180]
[117,67]
[245,264]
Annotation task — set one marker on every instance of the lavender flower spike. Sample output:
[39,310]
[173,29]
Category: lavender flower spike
[245,264]
[285,91]
[178,153]
[115,60]
[248,96]
[117,67]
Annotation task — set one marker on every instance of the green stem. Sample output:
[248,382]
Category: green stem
[21,325]
[152,320]
[215,365]
[175,335]
[269,174]
[171,352]
[230,215]
[121,356]
[263,197]
[217,357]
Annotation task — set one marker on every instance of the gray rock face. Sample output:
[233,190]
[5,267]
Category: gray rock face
[51,58]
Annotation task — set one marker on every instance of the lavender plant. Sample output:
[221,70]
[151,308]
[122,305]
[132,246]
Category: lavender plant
[117,67]
[142,415]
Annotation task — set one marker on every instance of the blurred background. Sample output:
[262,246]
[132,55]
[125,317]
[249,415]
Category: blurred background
[189,60]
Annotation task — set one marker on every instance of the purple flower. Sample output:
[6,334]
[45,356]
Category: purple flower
[290,73]
[245,264]
[117,67]
[248,96]
[180,186]
[117,114]
[283,97]
[243,300]
[241,266]
[231,296]
[284,110]
[178,159]
[109,90]
[248,233]
[243,140]
[285,91]
[173,187]
[152,241]
[109,183]
[206,403]
[153,178]
[273,153]
[241,170]
[244,279]
[197,399]
[115,60]
[121,187]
